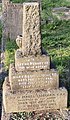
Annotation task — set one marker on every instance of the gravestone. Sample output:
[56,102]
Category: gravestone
[32,85]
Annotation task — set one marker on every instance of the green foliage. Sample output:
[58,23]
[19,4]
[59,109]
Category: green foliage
[54,3]
[45,3]
[47,6]
[10,52]
[56,40]
[56,34]
[19,1]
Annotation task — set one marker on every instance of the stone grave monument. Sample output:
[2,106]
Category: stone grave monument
[32,85]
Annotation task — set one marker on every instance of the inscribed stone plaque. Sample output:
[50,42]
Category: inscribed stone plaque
[31,41]
[32,62]
[33,79]
[33,100]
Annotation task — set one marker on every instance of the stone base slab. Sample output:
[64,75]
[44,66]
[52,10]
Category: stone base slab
[33,79]
[32,62]
[33,100]
[44,114]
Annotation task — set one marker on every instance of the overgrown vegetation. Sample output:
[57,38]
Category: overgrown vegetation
[54,3]
[10,53]
[55,39]
[49,3]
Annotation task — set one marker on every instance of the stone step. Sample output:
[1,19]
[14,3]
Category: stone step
[33,79]
[33,100]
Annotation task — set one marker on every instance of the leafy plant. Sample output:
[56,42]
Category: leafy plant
[10,52]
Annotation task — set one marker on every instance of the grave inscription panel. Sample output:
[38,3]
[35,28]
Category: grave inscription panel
[32,62]
[32,100]
[33,79]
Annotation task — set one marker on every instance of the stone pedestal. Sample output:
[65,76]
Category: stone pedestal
[33,100]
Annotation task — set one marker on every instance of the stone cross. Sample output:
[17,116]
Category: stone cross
[31,40]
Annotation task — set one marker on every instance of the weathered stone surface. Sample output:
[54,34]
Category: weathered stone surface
[5,116]
[12,19]
[31,62]
[33,100]
[33,79]
[31,41]
[62,13]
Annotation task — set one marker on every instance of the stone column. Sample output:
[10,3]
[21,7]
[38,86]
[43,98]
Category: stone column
[31,41]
